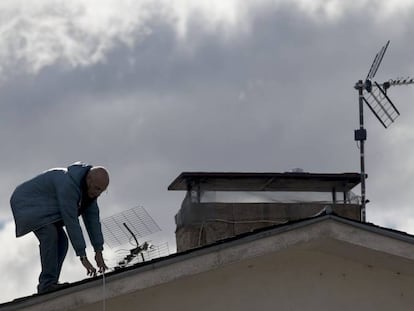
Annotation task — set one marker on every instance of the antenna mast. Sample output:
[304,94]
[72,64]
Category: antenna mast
[375,96]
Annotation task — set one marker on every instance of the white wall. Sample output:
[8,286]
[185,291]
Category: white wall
[286,280]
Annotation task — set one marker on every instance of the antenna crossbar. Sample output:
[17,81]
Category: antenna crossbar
[374,112]
[382,107]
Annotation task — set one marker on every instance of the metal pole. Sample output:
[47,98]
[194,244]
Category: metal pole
[361,136]
[133,235]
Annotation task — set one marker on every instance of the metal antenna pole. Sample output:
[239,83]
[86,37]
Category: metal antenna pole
[361,136]
[375,96]
[376,104]
[132,233]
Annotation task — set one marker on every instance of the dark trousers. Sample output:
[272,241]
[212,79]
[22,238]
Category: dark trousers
[53,248]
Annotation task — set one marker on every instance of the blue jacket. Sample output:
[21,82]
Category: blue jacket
[54,196]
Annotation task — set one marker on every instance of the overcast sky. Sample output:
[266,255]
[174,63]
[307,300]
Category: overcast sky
[153,88]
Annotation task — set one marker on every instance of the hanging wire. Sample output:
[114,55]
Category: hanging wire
[103,292]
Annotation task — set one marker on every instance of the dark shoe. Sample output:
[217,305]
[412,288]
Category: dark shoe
[53,287]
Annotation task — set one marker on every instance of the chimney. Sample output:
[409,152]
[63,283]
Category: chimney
[222,205]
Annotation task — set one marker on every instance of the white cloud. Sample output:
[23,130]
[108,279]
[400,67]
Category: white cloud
[20,263]
[37,34]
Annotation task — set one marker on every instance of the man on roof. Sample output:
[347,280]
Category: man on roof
[55,199]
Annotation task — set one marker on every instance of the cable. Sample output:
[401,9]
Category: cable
[200,233]
[234,222]
[103,292]
[248,222]
[245,221]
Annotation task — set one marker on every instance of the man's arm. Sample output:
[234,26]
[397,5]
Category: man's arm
[93,226]
[68,196]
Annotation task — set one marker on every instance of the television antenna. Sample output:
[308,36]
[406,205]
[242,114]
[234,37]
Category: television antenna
[374,95]
[125,228]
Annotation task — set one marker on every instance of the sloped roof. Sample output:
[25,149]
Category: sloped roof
[326,233]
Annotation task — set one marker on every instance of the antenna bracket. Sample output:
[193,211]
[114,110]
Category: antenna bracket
[368,85]
[360,134]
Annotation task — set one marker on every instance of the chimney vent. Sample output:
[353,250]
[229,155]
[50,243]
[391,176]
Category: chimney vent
[222,205]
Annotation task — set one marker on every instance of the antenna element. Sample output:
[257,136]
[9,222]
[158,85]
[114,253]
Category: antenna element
[125,228]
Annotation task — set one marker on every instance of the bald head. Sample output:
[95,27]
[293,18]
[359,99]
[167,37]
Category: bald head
[97,180]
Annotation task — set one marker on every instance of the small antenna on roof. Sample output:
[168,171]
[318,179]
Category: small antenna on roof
[374,95]
[126,227]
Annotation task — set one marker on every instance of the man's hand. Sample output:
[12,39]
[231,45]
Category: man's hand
[90,270]
[100,262]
